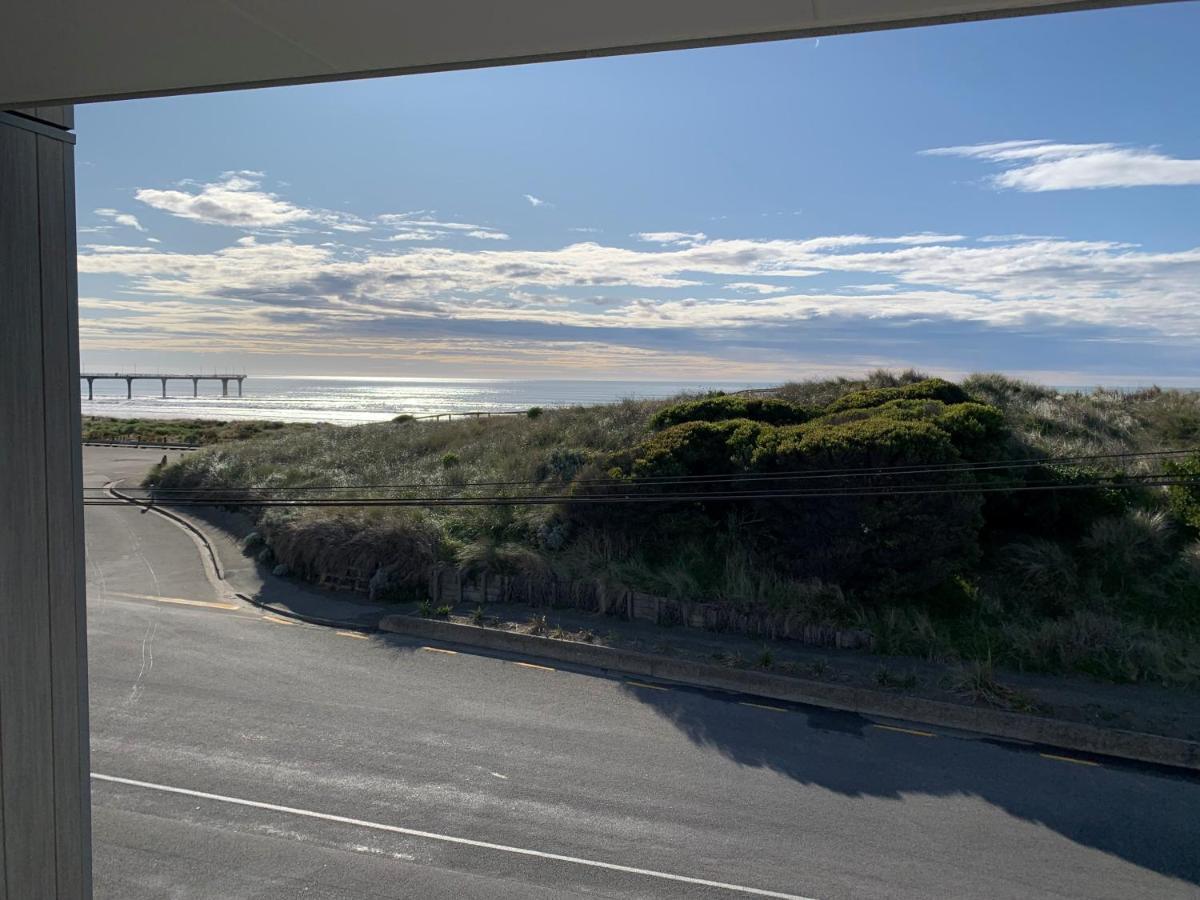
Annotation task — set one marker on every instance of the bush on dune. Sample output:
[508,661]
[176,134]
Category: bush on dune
[1099,580]
[720,407]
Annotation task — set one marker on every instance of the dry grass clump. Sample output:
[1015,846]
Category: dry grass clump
[1060,423]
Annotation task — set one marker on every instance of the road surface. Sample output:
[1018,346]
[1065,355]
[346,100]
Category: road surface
[238,755]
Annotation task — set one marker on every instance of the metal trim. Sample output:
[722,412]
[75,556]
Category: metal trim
[16,120]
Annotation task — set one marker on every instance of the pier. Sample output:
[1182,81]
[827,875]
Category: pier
[130,377]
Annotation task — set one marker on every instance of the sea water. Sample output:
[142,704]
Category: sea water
[348,401]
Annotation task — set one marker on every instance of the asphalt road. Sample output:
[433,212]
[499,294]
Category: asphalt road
[237,755]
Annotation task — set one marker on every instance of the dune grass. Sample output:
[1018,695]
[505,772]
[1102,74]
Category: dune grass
[1110,590]
[178,431]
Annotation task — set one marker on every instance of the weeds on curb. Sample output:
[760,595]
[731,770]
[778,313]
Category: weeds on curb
[977,681]
[885,677]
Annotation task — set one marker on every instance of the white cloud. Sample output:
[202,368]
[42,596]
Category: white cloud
[755,287]
[422,235]
[127,219]
[905,277]
[153,240]
[535,201]
[235,201]
[1013,238]
[677,238]
[1043,165]
[417,226]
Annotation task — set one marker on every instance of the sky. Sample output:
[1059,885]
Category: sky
[1019,195]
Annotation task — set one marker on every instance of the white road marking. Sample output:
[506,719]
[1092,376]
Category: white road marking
[448,839]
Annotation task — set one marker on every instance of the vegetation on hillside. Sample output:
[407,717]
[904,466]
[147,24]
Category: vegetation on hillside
[101,429]
[964,564]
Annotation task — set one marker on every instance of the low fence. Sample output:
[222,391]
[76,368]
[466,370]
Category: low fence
[155,444]
[454,586]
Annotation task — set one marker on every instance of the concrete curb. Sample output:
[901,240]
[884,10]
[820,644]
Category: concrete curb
[215,559]
[1131,745]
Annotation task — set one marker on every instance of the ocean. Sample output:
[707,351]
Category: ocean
[350,401]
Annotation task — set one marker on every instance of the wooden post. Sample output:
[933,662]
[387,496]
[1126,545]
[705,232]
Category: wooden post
[45,805]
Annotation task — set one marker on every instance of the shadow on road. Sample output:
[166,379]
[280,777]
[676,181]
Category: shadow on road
[1146,818]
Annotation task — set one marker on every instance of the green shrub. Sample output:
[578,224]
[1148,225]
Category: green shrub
[699,448]
[404,417]
[1063,507]
[1184,499]
[450,460]
[721,407]
[929,389]
[534,412]
[895,545]
[976,429]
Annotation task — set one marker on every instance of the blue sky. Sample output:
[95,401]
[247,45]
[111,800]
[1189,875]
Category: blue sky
[756,212]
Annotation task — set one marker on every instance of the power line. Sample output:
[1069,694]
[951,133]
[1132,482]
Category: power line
[789,475]
[543,500]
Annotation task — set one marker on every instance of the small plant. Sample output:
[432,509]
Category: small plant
[885,677]
[818,667]
[442,612]
[977,681]
[765,659]
[534,412]
[425,609]
[450,461]
[477,616]
[404,417]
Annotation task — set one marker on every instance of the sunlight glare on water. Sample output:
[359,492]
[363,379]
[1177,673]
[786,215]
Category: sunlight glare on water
[348,401]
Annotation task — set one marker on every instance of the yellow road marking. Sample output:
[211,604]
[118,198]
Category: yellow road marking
[535,666]
[353,634]
[904,730]
[762,706]
[276,620]
[440,650]
[642,684]
[1069,759]
[182,601]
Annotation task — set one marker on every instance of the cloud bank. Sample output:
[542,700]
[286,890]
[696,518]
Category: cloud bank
[1043,165]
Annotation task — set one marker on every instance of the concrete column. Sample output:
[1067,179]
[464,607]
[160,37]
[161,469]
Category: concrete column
[224,387]
[164,388]
[195,388]
[240,386]
[89,381]
[45,796]
[128,388]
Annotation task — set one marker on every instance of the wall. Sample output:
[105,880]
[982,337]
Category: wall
[45,840]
